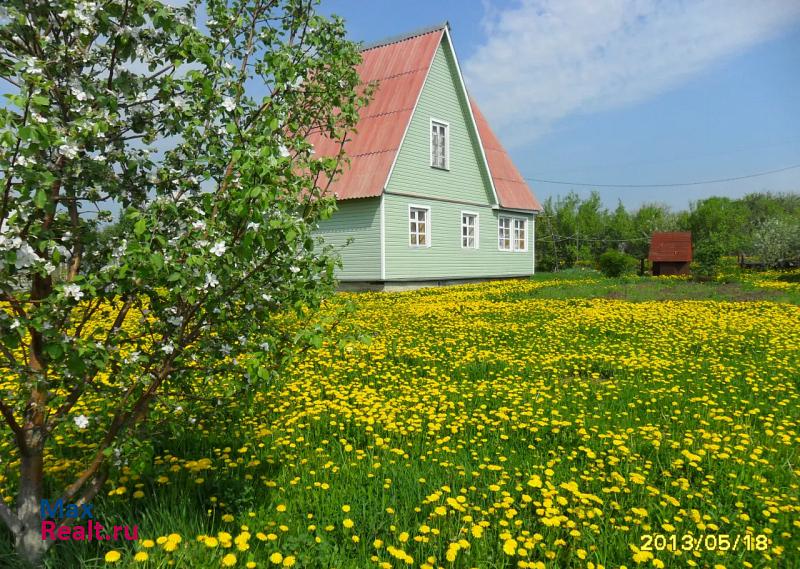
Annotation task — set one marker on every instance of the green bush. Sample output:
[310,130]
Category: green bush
[707,259]
[614,263]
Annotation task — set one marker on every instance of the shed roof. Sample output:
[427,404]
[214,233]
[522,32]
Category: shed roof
[400,66]
[674,246]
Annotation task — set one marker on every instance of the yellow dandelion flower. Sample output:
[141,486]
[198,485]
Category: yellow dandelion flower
[510,546]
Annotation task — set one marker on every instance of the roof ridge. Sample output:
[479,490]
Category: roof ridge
[407,36]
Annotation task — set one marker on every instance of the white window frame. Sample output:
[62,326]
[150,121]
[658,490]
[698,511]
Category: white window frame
[428,231]
[477,238]
[512,228]
[446,126]
[524,234]
[510,233]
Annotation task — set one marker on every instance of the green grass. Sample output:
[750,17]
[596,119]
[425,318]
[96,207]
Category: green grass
[687,410]
[583,283]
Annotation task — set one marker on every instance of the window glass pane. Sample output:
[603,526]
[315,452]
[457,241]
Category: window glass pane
[519,235]
[438,145]
[469,223]
[502,233]
[417,226]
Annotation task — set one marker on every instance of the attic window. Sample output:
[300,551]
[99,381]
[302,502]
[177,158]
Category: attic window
[439,145]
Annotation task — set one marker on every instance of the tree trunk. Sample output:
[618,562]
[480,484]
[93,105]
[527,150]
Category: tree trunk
[28,540]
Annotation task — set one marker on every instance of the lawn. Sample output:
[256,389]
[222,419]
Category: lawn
[566,421]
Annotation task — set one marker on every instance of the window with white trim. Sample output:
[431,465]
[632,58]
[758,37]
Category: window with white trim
[512,234]
[520,235]
[504,234]
[419,227]
[469,230]
[439,158]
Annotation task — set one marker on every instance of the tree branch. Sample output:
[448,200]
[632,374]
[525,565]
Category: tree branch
[10,518]
[118,423]
[11,421]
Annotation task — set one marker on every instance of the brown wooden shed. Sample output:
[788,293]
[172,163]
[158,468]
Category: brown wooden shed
[671,252]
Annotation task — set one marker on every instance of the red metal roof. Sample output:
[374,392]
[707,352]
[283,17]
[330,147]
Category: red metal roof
[512,189]
[400,67]
[675,246]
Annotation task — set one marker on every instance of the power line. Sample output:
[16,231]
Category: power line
[675,185]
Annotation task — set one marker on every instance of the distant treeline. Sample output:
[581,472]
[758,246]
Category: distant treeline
[573,230]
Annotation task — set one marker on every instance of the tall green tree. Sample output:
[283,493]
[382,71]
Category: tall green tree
[648,219]
[193,140]
[721,220]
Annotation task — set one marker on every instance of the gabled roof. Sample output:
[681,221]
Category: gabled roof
[400,65]
[674,247]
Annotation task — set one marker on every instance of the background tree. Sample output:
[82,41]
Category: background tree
[194,143]
[777,240]
[721,220]
[578,230]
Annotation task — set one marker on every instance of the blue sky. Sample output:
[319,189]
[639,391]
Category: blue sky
[624,92]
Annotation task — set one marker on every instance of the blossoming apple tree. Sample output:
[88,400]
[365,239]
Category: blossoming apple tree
[158,198]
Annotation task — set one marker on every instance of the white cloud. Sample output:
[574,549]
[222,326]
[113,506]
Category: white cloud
[543,60]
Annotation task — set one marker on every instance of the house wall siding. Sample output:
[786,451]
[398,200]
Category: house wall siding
[445,258]
[358,219]
[442,99]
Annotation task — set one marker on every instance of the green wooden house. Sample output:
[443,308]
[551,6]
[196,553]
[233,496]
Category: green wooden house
[430,195]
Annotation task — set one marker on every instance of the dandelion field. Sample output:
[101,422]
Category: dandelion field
[490,425]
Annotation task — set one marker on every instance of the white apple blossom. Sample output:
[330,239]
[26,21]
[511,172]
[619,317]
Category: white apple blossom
[68,150]
[26,256]
[81,421]
[211,280]
[229,104]
[73,291]
[32,66]
[79,94]
[219,249]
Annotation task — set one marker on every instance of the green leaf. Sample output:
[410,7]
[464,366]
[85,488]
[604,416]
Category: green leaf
[157,261]
[40,199]
[140,226]
[54,351]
